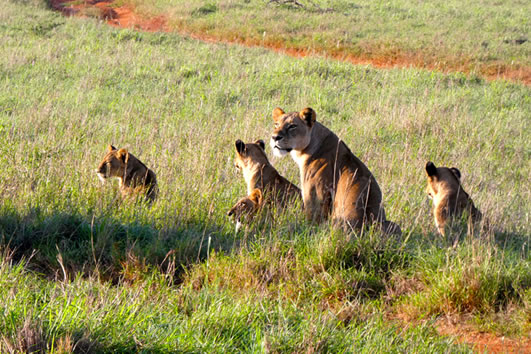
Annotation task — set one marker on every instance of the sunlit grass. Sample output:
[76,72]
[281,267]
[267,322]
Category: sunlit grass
[90,270]
[486,37]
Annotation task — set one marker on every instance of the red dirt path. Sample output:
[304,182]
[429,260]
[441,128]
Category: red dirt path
[125,17]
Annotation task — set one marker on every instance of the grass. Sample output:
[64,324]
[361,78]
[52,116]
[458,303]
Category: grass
[487,37]
[82,271]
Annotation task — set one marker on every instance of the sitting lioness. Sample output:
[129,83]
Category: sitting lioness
[134,176]
[259,174]
[334,182]
[449,197]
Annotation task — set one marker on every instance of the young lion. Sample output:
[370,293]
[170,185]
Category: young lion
[247,206]
[134,176]
[259,174]
[449,197]
[333,181]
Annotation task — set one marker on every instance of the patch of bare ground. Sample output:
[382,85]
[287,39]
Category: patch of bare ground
[117,16]
[481,342]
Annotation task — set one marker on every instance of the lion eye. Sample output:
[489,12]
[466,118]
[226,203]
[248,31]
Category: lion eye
[291,127]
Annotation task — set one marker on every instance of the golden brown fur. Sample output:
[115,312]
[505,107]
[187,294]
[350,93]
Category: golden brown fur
[259,174]
[334,182]
[134,176]
[449,198]
[247,206]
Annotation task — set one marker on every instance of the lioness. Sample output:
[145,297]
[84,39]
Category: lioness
[259,174]
[449,197]
[134,176]
[333,181]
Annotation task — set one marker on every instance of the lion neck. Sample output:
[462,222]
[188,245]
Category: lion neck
[258,176]
[318,134]
[454,197]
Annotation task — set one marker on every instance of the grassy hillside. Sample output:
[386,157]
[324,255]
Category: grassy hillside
[484,37]
[81,270]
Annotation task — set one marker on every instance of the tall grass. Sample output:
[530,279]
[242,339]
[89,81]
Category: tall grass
[89,271]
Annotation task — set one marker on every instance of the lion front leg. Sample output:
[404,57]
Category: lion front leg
[317,206]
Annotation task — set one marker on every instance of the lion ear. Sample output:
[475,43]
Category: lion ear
[277,113]
[123,155]
[308,115]
[110,148]
[261,143]
[240,146]
[456,172]
[431,169]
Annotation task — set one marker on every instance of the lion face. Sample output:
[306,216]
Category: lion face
[292,130]
[247,205]
[250,155]
[113,163]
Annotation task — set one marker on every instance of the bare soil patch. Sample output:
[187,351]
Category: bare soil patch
[481,342]
[117,16]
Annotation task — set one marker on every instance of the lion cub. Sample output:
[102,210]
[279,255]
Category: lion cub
[247,206]
[334,182]
[134,176]
[449,197]
[260,175]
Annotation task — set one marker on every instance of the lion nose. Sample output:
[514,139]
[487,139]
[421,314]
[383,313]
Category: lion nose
[276,137]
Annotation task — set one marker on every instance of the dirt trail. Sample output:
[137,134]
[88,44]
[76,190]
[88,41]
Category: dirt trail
[125,17]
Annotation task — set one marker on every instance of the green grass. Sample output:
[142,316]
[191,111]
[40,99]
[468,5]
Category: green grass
[80,268]
[484,37]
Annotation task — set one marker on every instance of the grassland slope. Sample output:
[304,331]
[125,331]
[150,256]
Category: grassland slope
[82,271]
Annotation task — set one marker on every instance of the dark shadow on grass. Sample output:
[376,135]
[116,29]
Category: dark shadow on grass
[62,242]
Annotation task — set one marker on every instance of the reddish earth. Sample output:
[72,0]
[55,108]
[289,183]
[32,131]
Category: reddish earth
[480,341]
[117,16]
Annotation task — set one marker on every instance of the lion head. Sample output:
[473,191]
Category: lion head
[292,131]
[250,155]
[113,164]
[247,206]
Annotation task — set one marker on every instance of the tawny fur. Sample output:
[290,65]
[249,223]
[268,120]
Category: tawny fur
[259,174]
[449,198]
[334,182]
[135,178]
[247,206]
